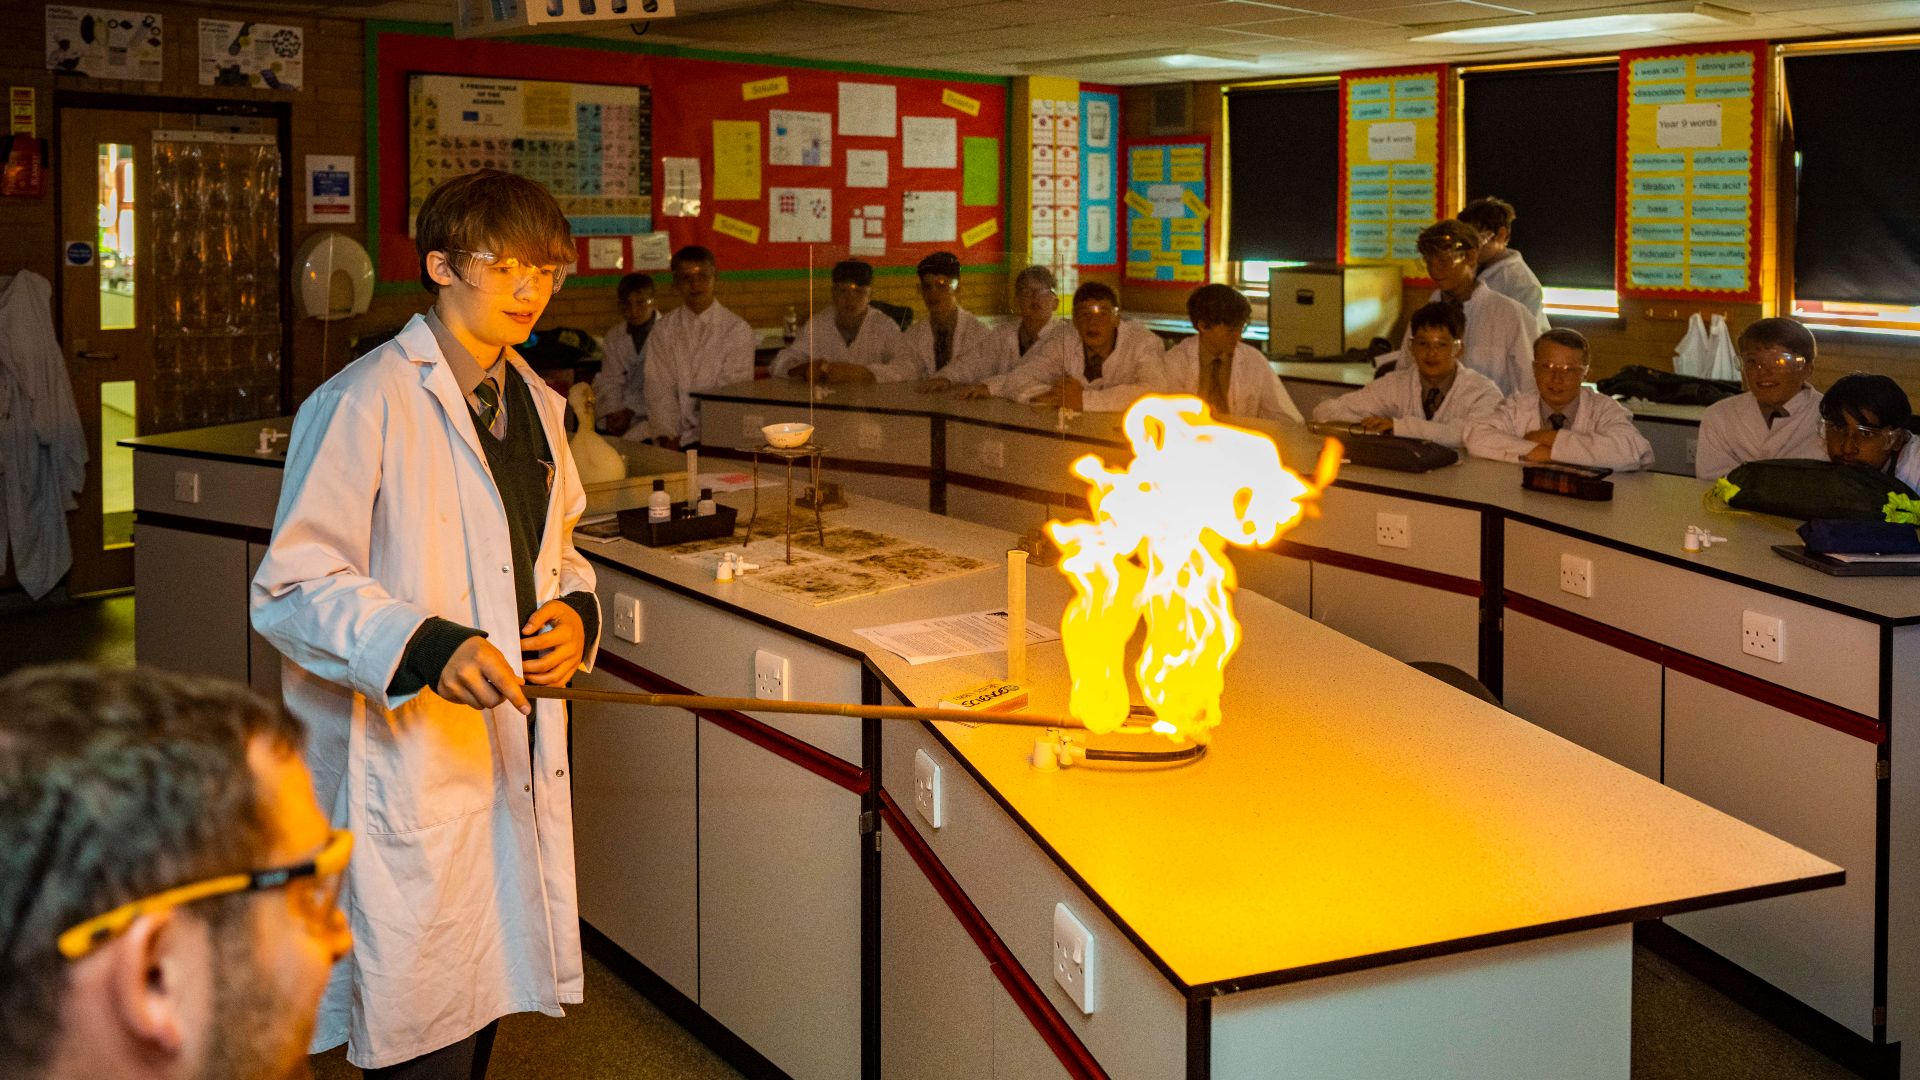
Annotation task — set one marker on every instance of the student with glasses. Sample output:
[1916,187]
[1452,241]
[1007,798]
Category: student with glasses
[1007,344]
[421,567]
[1103,366]
[168,882]
[1562,421]
[1499,267]
[948,338]
[849,340]
[1778,416]
[1868,420]
[1434,398]
[698,346]
[1232,377]
[1498,341]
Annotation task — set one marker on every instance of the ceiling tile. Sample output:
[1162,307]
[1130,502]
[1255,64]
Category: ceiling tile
[1853,13]
[1442,12]
[1228,13]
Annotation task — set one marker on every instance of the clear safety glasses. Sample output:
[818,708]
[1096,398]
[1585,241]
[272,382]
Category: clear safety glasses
[497,275]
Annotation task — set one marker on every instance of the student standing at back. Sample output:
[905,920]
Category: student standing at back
[1499,335]
[699,345]
[1232,377]
[948,336]
[1008,343]
[619,391]
[1501,267]
[1778,416]
[848,342]
[1434,399]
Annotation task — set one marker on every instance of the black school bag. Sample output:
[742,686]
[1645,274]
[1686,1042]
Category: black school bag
[1808,489]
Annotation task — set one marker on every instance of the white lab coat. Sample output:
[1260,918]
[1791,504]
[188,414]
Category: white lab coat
[622,382]
[913,360]
[1732,433]
[875,346]
[460,893]
[1135,367]
[1512,277]
[1498,342]
[1253,390]
[688,353]
[43,453]
[1906,467]
[1397,394]
[1600,432]
[1000,354]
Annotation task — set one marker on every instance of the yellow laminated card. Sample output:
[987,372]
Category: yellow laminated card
[1138,204]
[1147,165]
[763,88]
[736,159]
[1188,272]
[980,232]
[1193,203]
[736,228]
[954,99]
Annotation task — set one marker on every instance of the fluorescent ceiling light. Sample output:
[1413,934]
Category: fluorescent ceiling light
[1202,59]
[1603,22]
[1190,58]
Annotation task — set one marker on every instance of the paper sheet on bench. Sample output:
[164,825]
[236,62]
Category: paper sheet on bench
[928,640]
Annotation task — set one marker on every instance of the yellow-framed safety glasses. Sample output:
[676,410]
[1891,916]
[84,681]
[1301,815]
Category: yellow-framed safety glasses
[316,885]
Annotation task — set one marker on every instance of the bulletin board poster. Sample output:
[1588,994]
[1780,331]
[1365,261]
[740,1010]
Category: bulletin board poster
[587,144]
[1689,207]
[1392,174]
[1099,194]
[1169,220]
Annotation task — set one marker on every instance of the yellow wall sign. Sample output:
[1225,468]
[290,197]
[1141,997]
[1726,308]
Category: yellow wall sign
[954,99]
[736,228]
[980,232]
[763,88]
[1689,196]
[1392,180]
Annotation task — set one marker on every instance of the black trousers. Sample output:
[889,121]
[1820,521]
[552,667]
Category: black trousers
[464,1060]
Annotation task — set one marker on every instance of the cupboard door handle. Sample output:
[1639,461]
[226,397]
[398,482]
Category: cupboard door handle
[99,356]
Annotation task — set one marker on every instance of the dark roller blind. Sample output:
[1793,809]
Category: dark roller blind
[1545,142]
[1283,172]
[1856,233]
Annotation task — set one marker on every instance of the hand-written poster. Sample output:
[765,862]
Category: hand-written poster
[1167,211]
[234,53]
[1390,181]
[1689,171]
[736,159]
[103,43]
[799,138]
[588,144]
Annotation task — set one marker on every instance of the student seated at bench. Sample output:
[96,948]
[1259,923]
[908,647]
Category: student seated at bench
[1562,421]
[1435,398]
[1499,335]
[948,338]
[1778,416]
[1232,377]
[1008,343]
[1868,420]
[849,341]
[1103,366]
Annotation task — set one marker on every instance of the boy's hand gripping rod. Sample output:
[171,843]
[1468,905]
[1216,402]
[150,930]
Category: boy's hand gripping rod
[812,708]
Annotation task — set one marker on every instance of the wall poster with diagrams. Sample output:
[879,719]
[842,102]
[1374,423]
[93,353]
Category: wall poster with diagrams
[1168,217]
[1689,215]
[1392,175]
[589,144]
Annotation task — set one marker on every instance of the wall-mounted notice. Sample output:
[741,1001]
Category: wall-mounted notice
[736,159]
[1689,209]
[1392,184]
[102,43]
[329,190]
[681,178]
[799,138]
[929,142]
[234,53]
[867,109]
[867,168]
[1167,211]
[800,215]
[1099,199]
[927,217]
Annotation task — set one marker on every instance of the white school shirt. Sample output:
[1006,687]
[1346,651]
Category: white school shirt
[1906,467]
[1732,433]
[1134,367]
[1253,389]
[913,360]
[689,353]
[873,347]
[622,381]
[1511,276]
[1599,432]
[1397,394]
[1000,354]
[1498,342]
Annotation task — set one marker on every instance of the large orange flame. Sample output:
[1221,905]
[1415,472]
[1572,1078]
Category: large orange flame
[1155,551]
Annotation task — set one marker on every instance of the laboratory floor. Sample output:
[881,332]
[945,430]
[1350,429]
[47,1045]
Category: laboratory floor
[1683,1029]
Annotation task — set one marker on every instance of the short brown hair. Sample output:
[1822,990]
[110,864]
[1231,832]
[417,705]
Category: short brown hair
[493,211]
[1488,214]
[1217,305]
[1451,234]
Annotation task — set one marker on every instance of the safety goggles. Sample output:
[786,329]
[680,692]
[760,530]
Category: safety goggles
[1556,371]
[314,886]
[1844,434]
[1047,296]
[1779,360]
[1423,347]
[498,275]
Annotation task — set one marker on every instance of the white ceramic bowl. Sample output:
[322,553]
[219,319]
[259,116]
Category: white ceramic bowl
[787,436]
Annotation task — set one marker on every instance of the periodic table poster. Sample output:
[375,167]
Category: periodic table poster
[589,144]
[1392,172]
[1168,216]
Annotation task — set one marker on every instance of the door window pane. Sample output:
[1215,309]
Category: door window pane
[116,463]
[115,247]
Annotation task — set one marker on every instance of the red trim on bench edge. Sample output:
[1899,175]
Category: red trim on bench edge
[1412,575]
[1046,1020]
[1805,706]
[809,757]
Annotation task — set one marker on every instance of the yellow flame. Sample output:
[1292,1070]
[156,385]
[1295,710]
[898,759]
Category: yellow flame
[1154,551]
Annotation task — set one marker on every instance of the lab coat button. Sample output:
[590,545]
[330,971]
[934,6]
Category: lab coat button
[559,772]
[506,569]
[528,787]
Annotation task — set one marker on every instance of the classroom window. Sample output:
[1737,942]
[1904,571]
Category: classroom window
[1856,249]
[1283,171]
[1544,139]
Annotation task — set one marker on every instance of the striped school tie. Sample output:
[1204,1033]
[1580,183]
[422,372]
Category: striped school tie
[489,411]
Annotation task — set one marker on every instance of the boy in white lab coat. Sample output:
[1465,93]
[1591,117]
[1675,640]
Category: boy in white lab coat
[1562,421]
[619,391]
[1434,399]
[1500,266]
[421,565]
[848,342]
[1103,366]
[1868,420]
[698,346]
[1232,377]
[1500,333]
[1008,343]
[1778,416]
[948,337]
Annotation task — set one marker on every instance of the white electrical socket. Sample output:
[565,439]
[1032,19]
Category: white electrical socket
[992,452]
[1576,575]
[750,426]
[1392,530]
[870,436]
[926,788]
[1073,958]
[1762,636]
[770,676]
[627,622]
[186,486]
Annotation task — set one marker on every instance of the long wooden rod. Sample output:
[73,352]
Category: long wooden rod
[809,708]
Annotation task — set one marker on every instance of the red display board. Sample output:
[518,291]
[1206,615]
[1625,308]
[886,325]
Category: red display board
[689,94]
